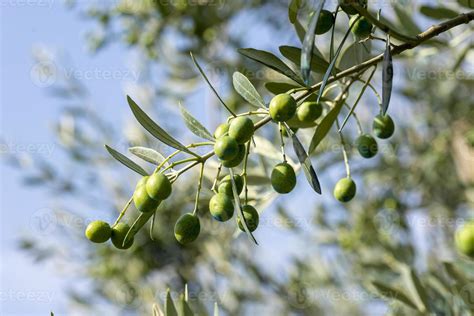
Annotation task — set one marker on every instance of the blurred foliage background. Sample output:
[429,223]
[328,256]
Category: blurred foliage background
[344,259]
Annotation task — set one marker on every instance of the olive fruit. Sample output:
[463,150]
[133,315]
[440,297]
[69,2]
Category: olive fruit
[241,129]
[345,190]
[225,186]
[141,182]
[350,10]
[98,231]
[119,232]
[325,22]
[282,107]
[309,111]
[367,146]
[226,148]
[383,126]
[283,178]
[362,27]
[251,218]
[221,207]
[234,162]
[464,239]
[143,202]
[187,228]
[221,130]
[158,186]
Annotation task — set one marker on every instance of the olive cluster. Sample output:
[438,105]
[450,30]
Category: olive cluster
[383,127]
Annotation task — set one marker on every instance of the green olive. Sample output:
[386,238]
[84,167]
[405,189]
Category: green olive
[282,107]
[226,148]
[349,9]
[325,22]
[234,162]
[367,146]
[345,190]
[309,111]
[283,178]
[221,207]
[383,126]
[119,232]
[143,202]
[464,239]
[187,228]
[141,182]
[362,27]
[251,218]
[241,129]
[98,231]
[221,130]
[225,186]
[158,186]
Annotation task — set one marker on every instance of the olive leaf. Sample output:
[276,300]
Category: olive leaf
[406,19]
[184,308]
[216,309]
[126,161]
[170,310]
[148,154]
[239,208]
[247,90]
[467,3]
[305,162]
[300,31]
[333,62]
[392,293]
[210,85]
[318,63]
[141,220]
[194,125]
[293,9]
[355,54]
[438,13]
[387,77]
[154,129]
[279,87]
[271,61]
[308,44]
[323,128]
[416,288]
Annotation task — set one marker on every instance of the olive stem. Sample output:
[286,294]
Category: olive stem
[214,184]
[122,213]
[179,162]
[196,202]
[344,152]
[282,142]
[152,225]
[249,113]
[193,145]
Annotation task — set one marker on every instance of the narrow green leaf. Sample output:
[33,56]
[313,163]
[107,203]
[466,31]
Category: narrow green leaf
[293,9]
[333,62]
[148,154]
[157,310]
[305,162]
[141,220]
[247,90]
[438,13]
[387,77]
[185,309]
[170,310]
[406,20]
[194,125]
[318,63]
[210,85]
[239,208]
[126,161]
[416,288]
[279,87]
[300,31]
[271,61]
[392,293]
[308,44]
[323,128]
[216,309]
[355,54]
[154,129]
[467,3]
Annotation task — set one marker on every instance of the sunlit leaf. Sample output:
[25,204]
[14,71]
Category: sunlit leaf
[416,289]
[392,293]
[318,63]
[293,9]
[147,154]
[308,44]
[247,90]
[126,161]
[194,125]
[438,12]
[271,61]
[170,309]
